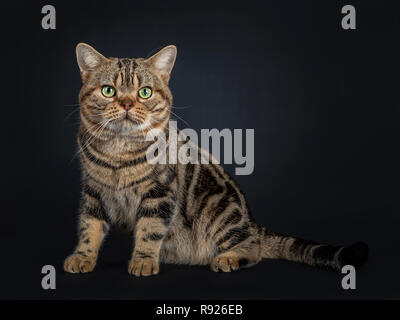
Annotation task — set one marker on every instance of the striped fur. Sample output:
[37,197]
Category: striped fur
[190,214]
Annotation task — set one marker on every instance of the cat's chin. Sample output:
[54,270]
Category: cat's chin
[125,126]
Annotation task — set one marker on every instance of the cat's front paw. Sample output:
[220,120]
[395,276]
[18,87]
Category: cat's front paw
[143,267]
[79,263]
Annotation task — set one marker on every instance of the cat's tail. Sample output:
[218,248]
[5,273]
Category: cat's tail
[277,246]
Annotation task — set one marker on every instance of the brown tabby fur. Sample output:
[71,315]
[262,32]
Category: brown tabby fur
[190,214]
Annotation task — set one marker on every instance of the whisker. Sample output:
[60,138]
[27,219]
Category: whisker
[180,118]
[95,135]
[71,113]
[184,107]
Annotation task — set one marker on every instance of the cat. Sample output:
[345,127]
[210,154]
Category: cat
[178,213]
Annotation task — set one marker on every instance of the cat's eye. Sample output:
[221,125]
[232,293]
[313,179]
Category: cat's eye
[145,93]
[108,91]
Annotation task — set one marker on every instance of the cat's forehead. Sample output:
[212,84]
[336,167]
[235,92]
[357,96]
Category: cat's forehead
[128,72]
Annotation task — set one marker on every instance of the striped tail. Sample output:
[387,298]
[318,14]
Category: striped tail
[275,246]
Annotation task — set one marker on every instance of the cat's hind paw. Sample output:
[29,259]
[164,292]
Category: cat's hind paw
[225,264]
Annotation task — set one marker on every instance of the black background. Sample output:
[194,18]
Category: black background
[323,102]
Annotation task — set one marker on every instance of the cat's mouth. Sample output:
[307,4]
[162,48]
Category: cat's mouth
[126,124]
[131,119]
[126,119]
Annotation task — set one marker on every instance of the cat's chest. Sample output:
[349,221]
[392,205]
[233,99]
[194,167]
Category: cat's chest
[122,207]
[116,164]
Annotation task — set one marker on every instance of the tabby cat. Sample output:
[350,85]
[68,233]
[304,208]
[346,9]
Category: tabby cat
[178,213]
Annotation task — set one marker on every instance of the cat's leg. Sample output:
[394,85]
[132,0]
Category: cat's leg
[91,235]
[150,232]
[154,216]
[92,230]
[236,250]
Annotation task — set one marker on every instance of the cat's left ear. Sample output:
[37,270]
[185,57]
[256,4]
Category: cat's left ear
[163,61]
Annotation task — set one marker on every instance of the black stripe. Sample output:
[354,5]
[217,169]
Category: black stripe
[134,65]
[133,183]
[189,171]
[216,169]
[128,72]
[81,253]
[163,211]
[95,160]
[97,212]
[325,255]
[153,237]
[133,162]
[91,192]
[222,205]
[213,191]
[105,164]
[159,191]
[231,192]
[141,254]
[136,182]
[82,230]
[115,79]
[166,211]
[86,94]
[93,107]
[232,219]
[136,152]
[205,182]
[124,66]
[299,246]
[171,176]
[230,196]
[237,235]
[207,186]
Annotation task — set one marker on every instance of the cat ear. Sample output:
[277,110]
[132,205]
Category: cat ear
[88,59]
[163,61]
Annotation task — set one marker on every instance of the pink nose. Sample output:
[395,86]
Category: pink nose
[127,104]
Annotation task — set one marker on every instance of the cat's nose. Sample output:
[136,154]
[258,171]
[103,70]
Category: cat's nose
[127,104]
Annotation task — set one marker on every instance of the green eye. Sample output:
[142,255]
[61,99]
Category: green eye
[145,93]
[108,91]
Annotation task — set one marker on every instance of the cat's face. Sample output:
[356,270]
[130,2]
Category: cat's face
[124,96]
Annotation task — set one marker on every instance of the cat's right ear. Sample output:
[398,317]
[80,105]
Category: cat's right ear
[88,59]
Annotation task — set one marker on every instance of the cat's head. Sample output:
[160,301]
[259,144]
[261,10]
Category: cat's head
[125,96]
